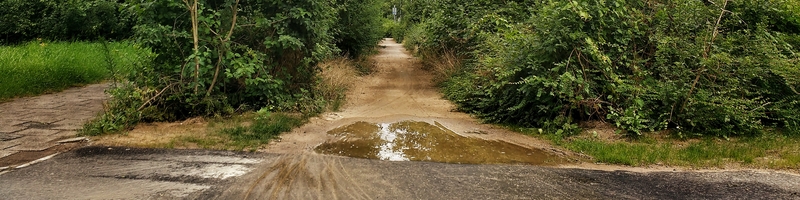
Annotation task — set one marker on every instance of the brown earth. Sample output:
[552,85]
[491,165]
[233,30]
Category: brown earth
[399,90]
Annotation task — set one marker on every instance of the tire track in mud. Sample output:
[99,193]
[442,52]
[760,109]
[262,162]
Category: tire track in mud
[310,176]
[320,177]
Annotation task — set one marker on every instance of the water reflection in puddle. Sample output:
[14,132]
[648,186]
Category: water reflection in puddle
[421,141]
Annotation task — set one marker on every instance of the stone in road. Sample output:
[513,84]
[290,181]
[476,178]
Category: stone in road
[31,125]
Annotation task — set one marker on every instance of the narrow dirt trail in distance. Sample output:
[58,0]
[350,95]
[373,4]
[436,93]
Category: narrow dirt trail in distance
[399,90]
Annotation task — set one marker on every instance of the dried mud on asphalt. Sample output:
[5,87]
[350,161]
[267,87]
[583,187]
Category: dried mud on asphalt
[127,173]
[398,91]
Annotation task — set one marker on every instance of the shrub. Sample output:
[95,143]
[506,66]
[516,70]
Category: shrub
[359,26]
[220,57]
[718,68]
[243,54]
[22,20]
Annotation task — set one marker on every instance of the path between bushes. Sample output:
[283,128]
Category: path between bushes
[291,169]
[31,127]
[401,90]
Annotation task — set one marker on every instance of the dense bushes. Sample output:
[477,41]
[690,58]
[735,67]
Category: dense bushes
[359,27]
[216,57]
[697,67]
[232,55]
[23,20]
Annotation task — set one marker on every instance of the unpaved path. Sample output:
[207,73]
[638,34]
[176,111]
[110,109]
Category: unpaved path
[400,90]
[31,127]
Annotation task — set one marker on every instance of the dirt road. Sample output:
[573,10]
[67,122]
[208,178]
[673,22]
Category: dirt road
[400,90]
[292,169]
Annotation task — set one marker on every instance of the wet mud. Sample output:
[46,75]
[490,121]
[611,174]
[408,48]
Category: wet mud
[421,141]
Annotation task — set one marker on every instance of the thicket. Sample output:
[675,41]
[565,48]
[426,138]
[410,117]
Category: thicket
[217,57]
[63,20]
[359,27]
[717,68]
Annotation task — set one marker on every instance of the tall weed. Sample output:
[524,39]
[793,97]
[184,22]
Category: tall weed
[336,77]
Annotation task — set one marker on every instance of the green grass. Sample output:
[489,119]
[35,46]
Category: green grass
[242,132]
[772,150]
[265,127]
[39,67]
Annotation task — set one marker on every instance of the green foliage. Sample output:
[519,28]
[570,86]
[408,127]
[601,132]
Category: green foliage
[266,126]
[22,20]
[359,27]
[708,152]
[219,57]
[249,54]
[39,66]
[722,68]
[391,29]
[456,24]
[122,111]
[413,37]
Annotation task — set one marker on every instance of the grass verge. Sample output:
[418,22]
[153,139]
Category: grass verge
[443,65]
[246,132]
[767,151]
[39,67]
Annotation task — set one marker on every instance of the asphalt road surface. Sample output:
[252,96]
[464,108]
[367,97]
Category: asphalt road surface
[124,173]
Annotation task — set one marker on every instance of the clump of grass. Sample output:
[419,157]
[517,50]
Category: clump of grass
[771,150]
[248,131]
[336,77]
[443,65]
[364,65]
[264,128]
[39,67]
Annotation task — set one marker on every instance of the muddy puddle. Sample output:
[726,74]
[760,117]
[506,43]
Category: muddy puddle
[421,141]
